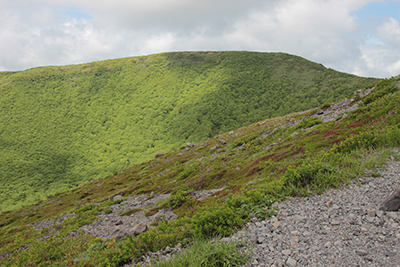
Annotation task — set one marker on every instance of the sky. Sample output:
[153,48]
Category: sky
[361,37]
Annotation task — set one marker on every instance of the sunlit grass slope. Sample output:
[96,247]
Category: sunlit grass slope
[257,165]
[61,126]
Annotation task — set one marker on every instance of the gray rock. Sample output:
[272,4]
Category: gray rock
[139,228]
[118,233]
[361,252]
[159,154]
[117,197]
[320,111]
[392,203]
[291,262]
[189,145]
[392,215]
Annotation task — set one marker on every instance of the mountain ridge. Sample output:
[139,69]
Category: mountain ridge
[290,156]
[62,126]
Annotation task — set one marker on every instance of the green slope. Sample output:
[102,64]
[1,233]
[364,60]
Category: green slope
[61,126]
[254,172]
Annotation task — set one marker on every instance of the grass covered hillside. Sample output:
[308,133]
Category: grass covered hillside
[61,126]
[253,166]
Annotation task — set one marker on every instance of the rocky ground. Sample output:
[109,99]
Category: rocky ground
[343,227]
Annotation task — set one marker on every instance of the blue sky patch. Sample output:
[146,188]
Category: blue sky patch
[379,10]
[72,12]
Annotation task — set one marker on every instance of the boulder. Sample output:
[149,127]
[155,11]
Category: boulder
[159,154]
[222,142]
[118,233]
[117,197]
[392,203]
[119,222]
[139,228]
[189,145]
[320,112]
[169,215]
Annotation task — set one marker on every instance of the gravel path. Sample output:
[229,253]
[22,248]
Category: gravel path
[342,227]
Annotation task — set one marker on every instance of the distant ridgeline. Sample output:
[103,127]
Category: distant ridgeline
[61,126]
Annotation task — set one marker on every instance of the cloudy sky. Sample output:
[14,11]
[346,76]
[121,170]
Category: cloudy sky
[354,36]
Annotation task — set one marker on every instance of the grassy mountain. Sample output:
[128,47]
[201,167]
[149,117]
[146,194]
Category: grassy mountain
[258,164]
[61,126]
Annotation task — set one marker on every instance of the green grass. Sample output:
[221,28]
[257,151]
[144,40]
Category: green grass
[254,178]
[64,126]
[210,253]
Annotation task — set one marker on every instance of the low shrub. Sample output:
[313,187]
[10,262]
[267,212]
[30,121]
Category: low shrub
[210,253]
[308,123]
[254,201]
[178,197]
[298,178]
[220,221]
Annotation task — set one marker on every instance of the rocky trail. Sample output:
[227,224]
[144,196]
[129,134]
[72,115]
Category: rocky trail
[342,227]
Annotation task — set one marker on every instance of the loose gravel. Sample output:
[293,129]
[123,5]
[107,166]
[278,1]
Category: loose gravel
[342,227]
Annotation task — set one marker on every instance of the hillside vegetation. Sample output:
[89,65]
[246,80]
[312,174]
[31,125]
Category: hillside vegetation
[259,164]
[61,126]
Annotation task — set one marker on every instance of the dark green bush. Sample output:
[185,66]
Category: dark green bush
[303,175]
[364,140]
[178,197]
[254,201]
[220,221]
[308,123]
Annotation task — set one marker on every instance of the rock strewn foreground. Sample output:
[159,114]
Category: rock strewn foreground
[342,227]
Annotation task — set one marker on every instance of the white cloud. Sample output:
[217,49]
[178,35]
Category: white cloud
[36,32]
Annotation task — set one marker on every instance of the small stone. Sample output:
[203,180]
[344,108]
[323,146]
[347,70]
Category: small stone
[294,245]
[298,218]
[338,243]
[222,142]
[379,213]
[276,224]
[328,244]
[286,252]
[390,254]
[392,203]
[370,219]
[335,222]
[117,197]
[291,262]
[306,233]
[361,252]
[159,154]
[119,222]
[139,228]
[335,207]
[392,215]
[371,213]
[189,145]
